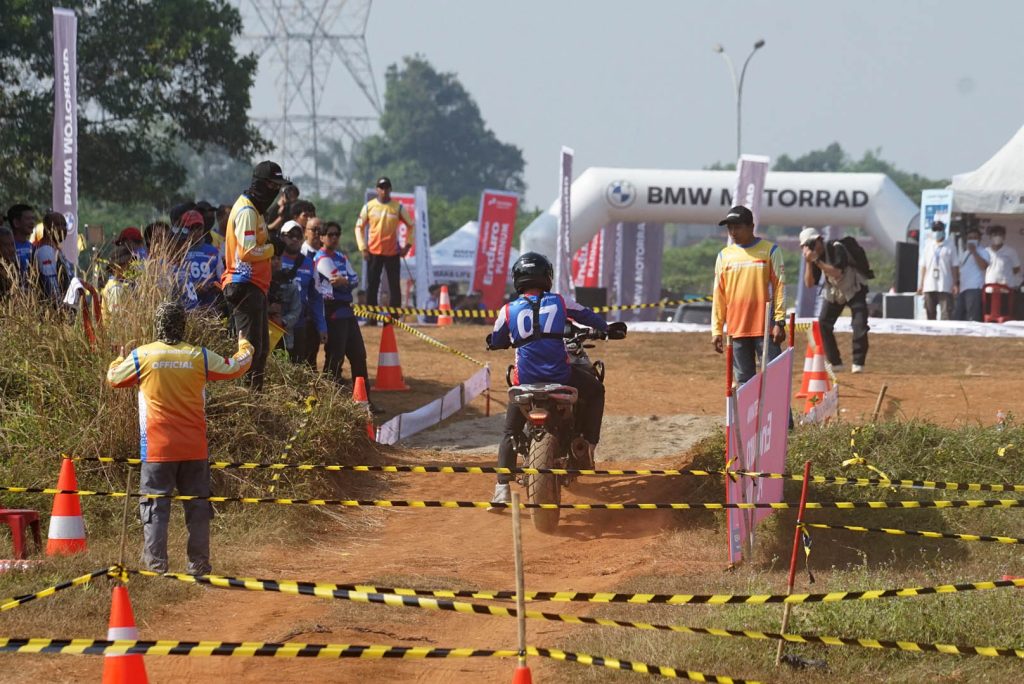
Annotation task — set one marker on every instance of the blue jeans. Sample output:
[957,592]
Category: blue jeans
[745,351]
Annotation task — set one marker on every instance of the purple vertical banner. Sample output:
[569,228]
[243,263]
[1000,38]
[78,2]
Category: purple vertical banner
[607,260]
[623,272]
[563,250]
[64,171]
[650,243]
[750,174]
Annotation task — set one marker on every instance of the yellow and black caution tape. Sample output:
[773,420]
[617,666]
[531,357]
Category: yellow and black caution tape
[492,313]
[249,649]
[364,313]
[310,402]
[433,503]
[921,533]
[328,590]
[15,601]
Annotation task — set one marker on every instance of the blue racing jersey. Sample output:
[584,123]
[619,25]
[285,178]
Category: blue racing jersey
[200,269]
[305,277]
[535,326]
[337,297]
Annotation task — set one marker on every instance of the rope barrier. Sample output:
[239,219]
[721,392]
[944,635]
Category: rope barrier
[416,333]
[921,533]
[15,601]
[493,313]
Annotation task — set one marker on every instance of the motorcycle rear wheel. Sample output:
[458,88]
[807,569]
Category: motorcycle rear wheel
[544,488]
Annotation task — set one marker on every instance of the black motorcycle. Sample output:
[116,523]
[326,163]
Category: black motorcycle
[552,437]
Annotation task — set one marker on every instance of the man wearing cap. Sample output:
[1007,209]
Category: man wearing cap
[131,237]
[748,275]
[310,330]
[377,237]
[844,286]
[200,269]
[247,253]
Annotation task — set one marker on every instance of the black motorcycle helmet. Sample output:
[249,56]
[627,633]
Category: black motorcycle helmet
[532,270]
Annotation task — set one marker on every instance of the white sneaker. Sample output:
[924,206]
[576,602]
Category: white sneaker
[838,368]
[857,368]
[502,495]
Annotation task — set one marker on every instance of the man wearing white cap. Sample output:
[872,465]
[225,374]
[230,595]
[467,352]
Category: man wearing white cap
[844,286]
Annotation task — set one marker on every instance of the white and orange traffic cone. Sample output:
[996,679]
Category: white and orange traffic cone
[123,669]
[389,368]
[808,367]
[816,379]
[444,304]
[360,397]
[67,528]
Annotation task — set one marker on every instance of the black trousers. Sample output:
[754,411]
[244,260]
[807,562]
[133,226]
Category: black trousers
[305,344]
[591,396]
[345,341]
[392,265]
[859,321]
[249,314]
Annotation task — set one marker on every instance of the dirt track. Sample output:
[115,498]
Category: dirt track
[945,380]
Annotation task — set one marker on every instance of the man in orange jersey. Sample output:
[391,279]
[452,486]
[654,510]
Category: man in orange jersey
[172,376]
[748,275]
[247,254]
[377,237]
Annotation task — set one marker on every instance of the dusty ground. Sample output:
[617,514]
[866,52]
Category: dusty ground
[663,391]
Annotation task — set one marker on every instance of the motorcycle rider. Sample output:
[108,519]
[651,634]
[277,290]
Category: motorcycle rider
[534,325]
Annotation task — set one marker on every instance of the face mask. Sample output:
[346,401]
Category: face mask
[262,194]
[939,237]
[997,240]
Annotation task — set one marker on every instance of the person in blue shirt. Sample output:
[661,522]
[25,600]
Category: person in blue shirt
[201,266]
[534,324]
[335,281]
[311,326]
[22,220]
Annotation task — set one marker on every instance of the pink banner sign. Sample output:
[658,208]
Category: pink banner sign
[769,423]
[494,243]
[586,263]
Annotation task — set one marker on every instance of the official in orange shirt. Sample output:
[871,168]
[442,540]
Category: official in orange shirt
[172,376]
[247,254]
[377,237]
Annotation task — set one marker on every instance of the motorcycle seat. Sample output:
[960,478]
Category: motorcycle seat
[524,394]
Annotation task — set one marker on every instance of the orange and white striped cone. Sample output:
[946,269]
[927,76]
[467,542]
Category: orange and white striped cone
[817,379]
[444,304]
[123,669]
[808,367]
[67,528]
[359,397]
[389,368]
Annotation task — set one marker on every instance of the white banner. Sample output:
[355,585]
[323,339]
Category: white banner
[563,253]
[64,169]
[825,409]
[424,272]
[408,424]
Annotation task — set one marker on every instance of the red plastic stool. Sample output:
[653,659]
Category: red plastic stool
[992,297]
[18,520]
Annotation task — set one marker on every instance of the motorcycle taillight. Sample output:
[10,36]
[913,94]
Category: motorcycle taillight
[538,417]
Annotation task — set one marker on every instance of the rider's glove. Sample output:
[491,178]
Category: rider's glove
[617,331]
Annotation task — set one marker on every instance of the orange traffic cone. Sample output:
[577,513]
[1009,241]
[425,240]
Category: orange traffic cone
[444,304]
[816,380]
[522,675]
[67,528]
[808,367]
[123,669]
[389,368]
[359,396]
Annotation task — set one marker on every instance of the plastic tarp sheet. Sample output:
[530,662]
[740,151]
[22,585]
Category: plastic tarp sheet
[454,400]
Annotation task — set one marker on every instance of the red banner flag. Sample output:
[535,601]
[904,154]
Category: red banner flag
[494,243]
[586,264]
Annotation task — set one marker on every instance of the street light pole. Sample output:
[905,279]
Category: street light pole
[737,86]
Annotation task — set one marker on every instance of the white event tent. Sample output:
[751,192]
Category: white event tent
[453,258]
[997,186]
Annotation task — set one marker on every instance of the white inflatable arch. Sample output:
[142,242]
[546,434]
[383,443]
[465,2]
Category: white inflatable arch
[601,196]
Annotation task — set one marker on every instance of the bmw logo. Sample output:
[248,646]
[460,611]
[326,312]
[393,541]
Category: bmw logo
[620,194]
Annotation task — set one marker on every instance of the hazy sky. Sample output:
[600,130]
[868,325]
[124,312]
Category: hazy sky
[939,86]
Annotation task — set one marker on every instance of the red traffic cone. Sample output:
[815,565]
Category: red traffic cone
[359,396]
[123,669]
[67,528]
[522,675]
[389,368]
[808,367]
[444,304]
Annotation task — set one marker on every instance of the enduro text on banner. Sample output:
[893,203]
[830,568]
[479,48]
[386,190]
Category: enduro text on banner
[494,243]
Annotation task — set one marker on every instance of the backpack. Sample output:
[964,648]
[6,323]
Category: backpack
[858,258]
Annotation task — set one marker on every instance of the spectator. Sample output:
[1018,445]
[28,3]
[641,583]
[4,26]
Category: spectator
[117,287]
[748,275]
[285,300]
[301,212]
[200,268]
[1003,261]
[336,279]
[160,240]
[311,232]
[53,272]
[281,212]
[209,213]
[377,237]
[131,237]
[940,274]
[219,228]
[310,329]
[22,221]
[247,253]
[172,376]
[473,302]
[973,262]
[844,286]
[433,293]
[8,261]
